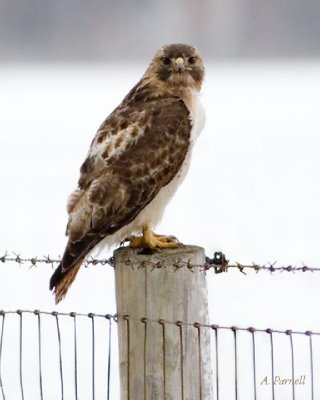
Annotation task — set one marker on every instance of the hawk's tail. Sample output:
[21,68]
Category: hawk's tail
[61,281]
[67,270]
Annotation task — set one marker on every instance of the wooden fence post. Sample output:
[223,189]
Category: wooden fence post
[162,360]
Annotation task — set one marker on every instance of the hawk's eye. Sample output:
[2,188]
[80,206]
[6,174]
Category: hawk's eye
[191,60]
[166,60]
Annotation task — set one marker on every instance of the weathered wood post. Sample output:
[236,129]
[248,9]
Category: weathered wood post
[159,359]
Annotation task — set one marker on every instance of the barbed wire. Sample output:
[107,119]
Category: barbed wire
[218,263]
[34,261]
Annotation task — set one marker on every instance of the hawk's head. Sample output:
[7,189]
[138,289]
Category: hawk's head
[177,66]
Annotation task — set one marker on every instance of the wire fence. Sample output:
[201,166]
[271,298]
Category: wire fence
[73,356]
[249,363]
[54,355]
[48,355]
[218,263]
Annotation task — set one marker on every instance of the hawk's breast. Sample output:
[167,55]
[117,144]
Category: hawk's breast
[152,213]
[136,162]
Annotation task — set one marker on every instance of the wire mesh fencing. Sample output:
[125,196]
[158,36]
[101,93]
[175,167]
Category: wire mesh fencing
[247,363]
[52,355]
[74,356]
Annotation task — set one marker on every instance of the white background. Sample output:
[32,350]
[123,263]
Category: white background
[252,190]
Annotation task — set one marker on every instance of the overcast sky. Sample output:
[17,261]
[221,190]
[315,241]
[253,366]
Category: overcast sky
[109,30]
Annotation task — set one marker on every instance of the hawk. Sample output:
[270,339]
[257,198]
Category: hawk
[137,160]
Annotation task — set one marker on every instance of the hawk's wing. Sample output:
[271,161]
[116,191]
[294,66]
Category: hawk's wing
[137,151]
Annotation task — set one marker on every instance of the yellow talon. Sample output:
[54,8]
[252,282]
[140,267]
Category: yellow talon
[151,240]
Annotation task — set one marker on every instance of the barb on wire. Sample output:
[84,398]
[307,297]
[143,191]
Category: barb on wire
[34,261]
[218,263]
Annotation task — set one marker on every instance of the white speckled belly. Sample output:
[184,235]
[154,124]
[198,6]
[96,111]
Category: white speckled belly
[153,212]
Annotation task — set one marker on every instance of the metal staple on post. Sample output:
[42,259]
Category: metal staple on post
[197,326]
[144,321]
[126,318]
[179,325]
[162,323]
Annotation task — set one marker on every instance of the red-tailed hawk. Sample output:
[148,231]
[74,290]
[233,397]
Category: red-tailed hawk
[136,162]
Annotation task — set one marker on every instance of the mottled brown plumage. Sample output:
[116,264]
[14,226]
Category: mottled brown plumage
[136,160]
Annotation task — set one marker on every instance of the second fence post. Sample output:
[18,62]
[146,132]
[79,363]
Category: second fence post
[159,356]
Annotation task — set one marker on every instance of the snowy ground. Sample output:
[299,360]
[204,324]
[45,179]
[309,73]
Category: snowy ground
[252,191]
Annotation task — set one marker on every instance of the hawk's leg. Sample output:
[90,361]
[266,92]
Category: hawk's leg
[151,240]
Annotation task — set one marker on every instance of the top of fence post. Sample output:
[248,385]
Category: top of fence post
[160,360]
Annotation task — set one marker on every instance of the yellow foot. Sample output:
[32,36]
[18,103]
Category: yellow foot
[151,240]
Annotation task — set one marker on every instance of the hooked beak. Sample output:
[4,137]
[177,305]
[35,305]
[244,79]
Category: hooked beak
[179,64]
